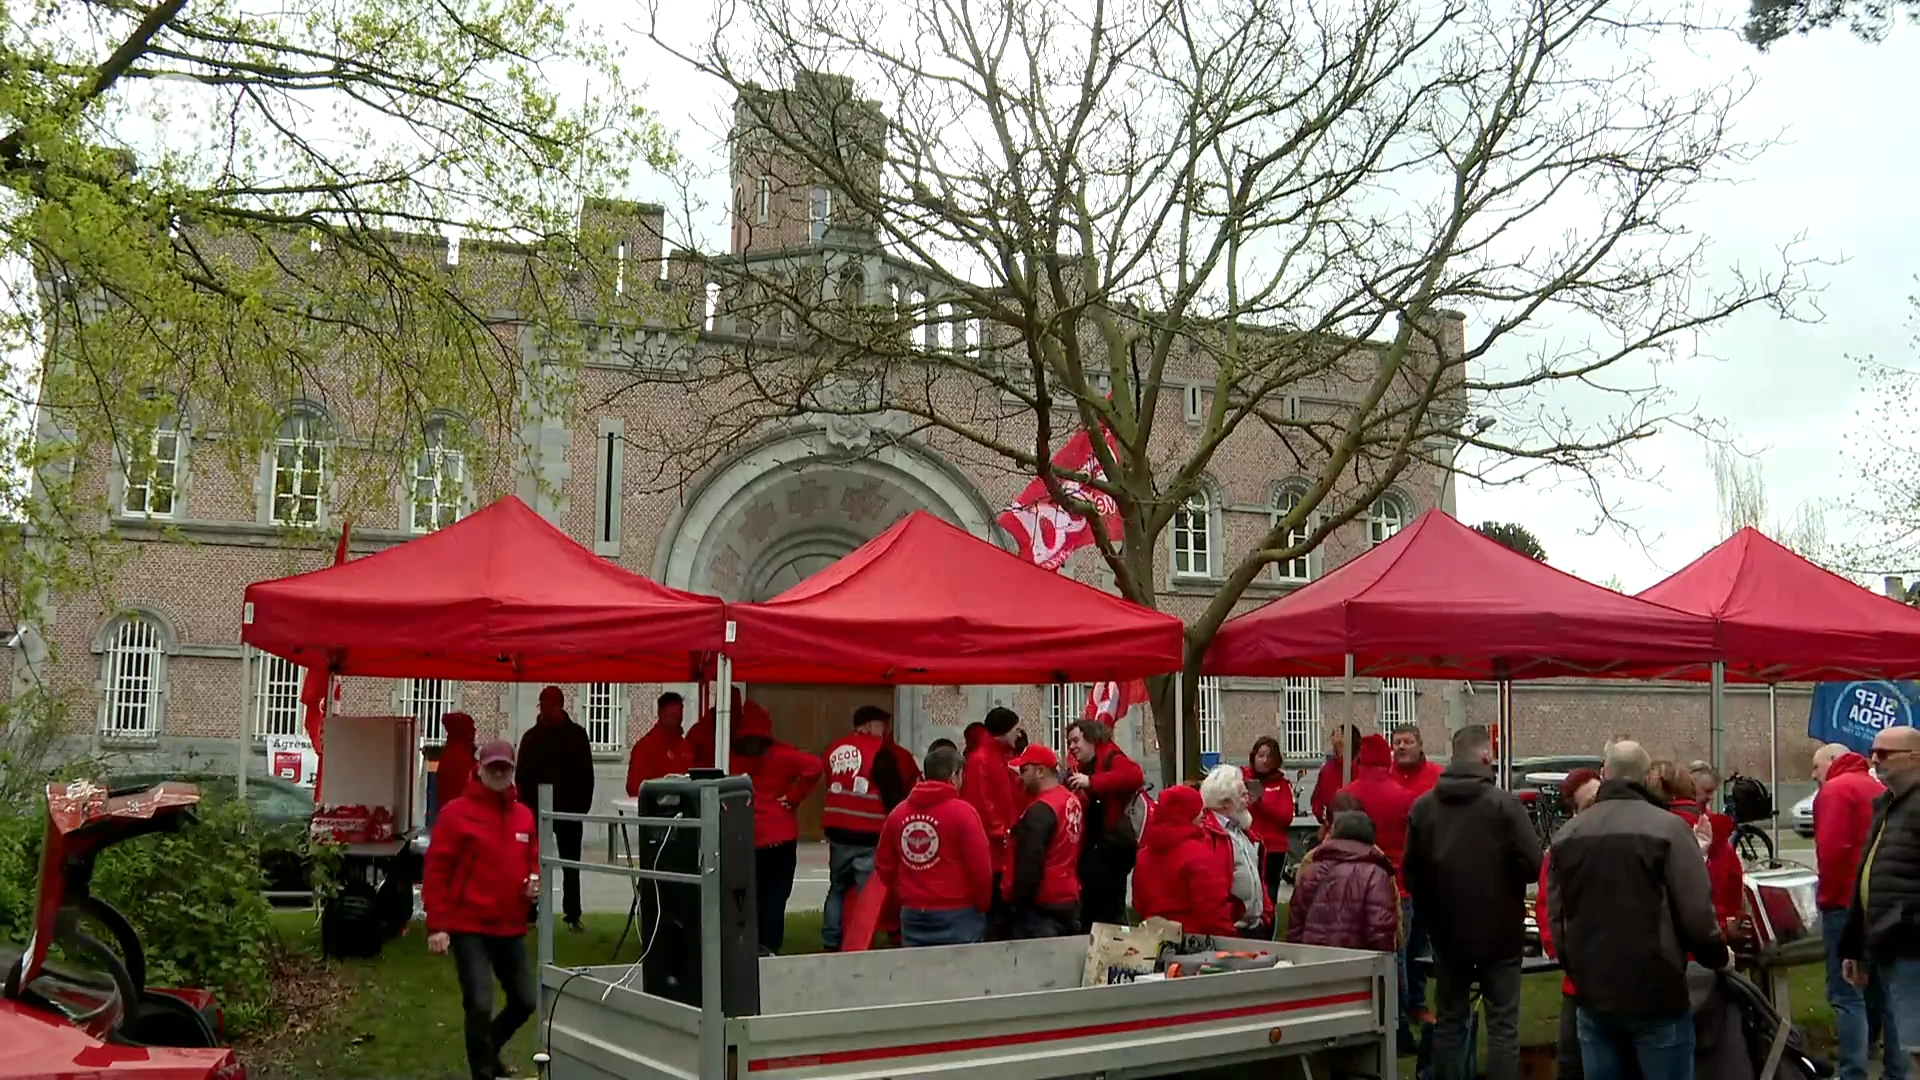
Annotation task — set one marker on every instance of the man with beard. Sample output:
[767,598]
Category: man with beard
[557,751]
[1042,890]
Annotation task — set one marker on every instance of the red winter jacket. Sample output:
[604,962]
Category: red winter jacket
[1419,778]
[662,751]
[1184,872]
[1114,779]
[1273,811]
[1325,787]
[1344,897]
[782,777]
[455,767]
[1387,801]
[1723,866]
[1842,817]
[482,852]
[933,852]
[1545,924]
[988,785]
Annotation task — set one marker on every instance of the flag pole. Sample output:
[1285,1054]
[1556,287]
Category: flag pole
[1179,728]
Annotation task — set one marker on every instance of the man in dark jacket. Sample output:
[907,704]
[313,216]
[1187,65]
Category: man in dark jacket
[1629,901]
[1471,853]
[1042,887]
[1882,934]
[556,751]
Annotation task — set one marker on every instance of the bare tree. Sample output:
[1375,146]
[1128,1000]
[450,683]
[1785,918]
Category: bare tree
[1259,218]
[1740,488]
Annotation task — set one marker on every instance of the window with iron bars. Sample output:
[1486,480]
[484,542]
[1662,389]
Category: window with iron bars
[130,681]
[603,707]
[1399,704]
[427,701]
[1212,712]
[1300,730]
[276,696]
[1065,703]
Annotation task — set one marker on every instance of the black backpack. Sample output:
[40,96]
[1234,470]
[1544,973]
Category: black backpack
[1748,800]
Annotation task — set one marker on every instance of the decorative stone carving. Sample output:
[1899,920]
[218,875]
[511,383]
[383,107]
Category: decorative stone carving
[807,498]
[864,503]
[844,415]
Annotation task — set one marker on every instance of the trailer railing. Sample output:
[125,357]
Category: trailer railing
[713,1028]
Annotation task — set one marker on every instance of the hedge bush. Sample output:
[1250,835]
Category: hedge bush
[195,896]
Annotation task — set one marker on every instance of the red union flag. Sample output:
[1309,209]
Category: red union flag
[1046,531]
[1108,702]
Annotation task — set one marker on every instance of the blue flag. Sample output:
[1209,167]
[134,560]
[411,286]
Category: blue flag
[1852,713]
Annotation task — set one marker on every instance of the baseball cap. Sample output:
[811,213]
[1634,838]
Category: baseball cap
[497,752]
[1035,754]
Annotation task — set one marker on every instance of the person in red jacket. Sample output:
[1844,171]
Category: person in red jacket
[702,737]
[782,778]
[482,873]
[1411,766]
[1108,781]
[933,856]
[1675,785]
[1042,891]
[1273,811]
[1185,872]
[988,784]
[864,783]
[1576,793]
[663,750]
[1331,778]
[1413,770]
[1842,820]
[1344,895]
[1388,803]
[457,762]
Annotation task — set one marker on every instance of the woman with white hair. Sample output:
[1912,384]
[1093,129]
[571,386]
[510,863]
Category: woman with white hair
[1224,793]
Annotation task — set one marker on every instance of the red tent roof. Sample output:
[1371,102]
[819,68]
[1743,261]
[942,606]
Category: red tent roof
[499,596]
[1783,619]
[927,603]
[1441,601]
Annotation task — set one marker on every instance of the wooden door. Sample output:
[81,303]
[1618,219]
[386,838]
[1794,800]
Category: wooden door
[811,717]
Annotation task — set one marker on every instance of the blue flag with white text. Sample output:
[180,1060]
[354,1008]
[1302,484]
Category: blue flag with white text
[1852,713]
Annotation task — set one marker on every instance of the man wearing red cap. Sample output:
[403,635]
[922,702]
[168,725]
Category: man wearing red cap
[933,857]
[557,751]
[482,873]
[782,778]
[1043,889]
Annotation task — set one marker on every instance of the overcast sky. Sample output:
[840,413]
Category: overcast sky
[1789,392]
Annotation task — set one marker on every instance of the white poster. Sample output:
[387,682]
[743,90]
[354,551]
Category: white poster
[291,758]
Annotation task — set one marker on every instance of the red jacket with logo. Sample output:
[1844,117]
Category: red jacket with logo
[933,852]
[1114,779]
[482,852]
[988,785]
[1046,851]
[853,800]
[1388,802]
[1273,811]
[783,777]
[1184,872]
[1842,817]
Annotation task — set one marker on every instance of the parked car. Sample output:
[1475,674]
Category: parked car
[1803,818]
[89,1014]
[281,810]
[1561,765]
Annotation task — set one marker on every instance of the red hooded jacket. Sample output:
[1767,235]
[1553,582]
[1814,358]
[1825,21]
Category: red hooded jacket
[1345,898]
[1114,779]
[484,849]
[662,751]
[1272,811]
[1723,865]
[989,786]
[1325,787]
[933,852]
[1184,872]
[782,777]
[455,767]
[1387,801]
[1842,817]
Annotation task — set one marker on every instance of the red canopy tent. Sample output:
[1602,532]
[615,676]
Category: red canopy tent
[1440,601]
[499,596]
[1783,619]
[928,603]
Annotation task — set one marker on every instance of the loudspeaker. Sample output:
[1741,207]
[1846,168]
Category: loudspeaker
[671,920]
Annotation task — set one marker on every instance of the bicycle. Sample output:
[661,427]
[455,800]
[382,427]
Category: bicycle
[1749,803]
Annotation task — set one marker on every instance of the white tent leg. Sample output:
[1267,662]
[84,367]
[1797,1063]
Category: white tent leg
[1717,719]
[723,712]
[243,737]
[1346,748]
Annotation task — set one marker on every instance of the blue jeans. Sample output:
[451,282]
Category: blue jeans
[848,868]
[1901,978]
[1663,1046]
[1852,1005]
[955,926]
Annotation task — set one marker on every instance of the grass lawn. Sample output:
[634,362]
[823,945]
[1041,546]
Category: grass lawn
[397,1016]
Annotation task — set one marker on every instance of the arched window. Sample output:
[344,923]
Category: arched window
[1387,515]
[152,473]
[439,480]
[1193,538]
[1298,568]
[132,678]
[300,469]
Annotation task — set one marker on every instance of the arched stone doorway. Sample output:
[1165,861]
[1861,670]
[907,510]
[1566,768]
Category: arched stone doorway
[788,507]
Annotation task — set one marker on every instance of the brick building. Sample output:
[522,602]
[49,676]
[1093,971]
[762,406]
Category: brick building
[157,672]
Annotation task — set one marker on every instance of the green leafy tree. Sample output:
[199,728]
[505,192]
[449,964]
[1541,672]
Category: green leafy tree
[1770,20]
[1513,536]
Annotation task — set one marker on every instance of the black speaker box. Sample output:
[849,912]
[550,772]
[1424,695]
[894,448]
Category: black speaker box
[671,920]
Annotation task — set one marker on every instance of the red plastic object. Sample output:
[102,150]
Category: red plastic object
[863,916]
[36,1046]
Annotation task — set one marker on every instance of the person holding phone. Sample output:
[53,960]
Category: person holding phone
[482,873]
